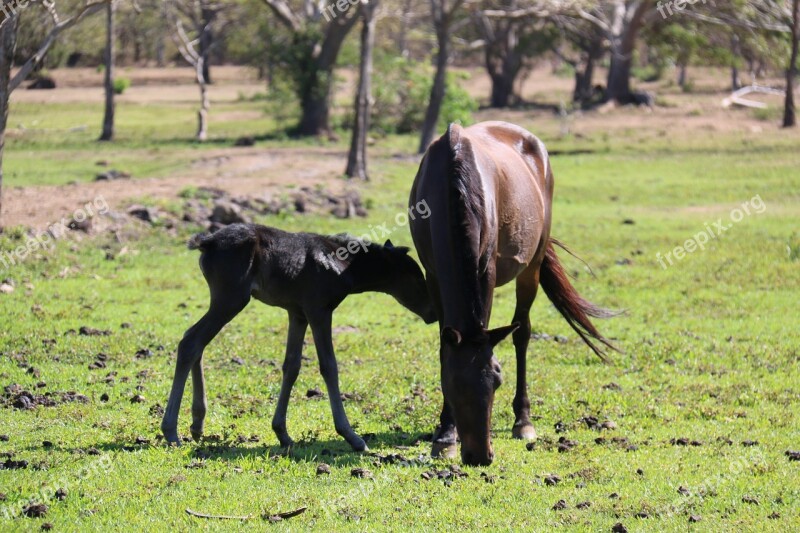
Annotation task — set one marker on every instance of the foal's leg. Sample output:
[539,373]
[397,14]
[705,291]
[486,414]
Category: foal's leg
[190,352]
[291,368]
[527,286]
[321,328]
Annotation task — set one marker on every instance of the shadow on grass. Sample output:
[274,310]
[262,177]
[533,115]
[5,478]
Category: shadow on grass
[388,448]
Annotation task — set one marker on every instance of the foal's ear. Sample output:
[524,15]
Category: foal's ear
[451,336]
[388,244]
[498,334]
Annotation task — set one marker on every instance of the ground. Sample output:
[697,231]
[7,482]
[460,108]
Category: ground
[690,427]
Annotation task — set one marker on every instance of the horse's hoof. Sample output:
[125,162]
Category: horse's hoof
[524,432]
[358,444]
[197,436]
[286,442]
[444,450]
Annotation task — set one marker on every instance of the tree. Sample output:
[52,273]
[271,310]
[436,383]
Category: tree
[442,12]
[8,43]
[208,13]
[621,20]
[192,9]
[357,159]
[789,117]
[588,40]
[318,31]
[108,82]
[503,51]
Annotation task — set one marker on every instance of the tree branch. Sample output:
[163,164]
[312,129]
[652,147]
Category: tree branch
[27,68]
[284,13]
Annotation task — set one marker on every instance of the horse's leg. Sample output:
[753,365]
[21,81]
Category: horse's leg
[321,328]
[527,286]
[291,368]
[445,436]
[190,352]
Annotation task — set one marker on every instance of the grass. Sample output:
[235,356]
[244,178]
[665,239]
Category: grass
[710,355]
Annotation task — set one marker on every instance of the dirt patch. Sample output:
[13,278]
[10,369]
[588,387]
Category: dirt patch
[15,396]
[238,171]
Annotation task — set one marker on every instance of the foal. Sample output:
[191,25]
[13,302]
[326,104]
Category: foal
[308,275]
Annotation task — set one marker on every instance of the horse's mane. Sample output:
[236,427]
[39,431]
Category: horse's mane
[467,203]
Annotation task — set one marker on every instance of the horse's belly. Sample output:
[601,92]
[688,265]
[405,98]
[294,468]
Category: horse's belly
[516,250]
[507,269]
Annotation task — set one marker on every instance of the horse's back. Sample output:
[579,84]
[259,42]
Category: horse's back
[516,163]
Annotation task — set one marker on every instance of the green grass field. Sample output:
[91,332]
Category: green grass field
[704,400]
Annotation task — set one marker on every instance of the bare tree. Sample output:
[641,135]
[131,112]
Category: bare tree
[357,159]
[621,21]
[319,29]
[442,12]
[108,82]
[208,13]
[8,44]
[187,47]
[789,117]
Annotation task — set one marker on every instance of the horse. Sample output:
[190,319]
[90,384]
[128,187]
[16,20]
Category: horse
[489,188]
[306,274]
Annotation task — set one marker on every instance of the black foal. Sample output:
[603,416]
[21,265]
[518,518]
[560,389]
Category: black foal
[308,275]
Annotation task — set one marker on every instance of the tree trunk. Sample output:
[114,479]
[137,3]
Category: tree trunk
[207,15]
[405,22]
[502,89]
[357,160]
[789,118]
[108,83]
[315,93]
[682,75]
[8,45]
[202,113]
[438,88]
[315,104]
[623,34]
[736,82]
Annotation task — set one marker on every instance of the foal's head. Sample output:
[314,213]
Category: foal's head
[470,377]
[408,283]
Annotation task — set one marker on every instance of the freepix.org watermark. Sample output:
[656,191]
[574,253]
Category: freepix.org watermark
[665,9]
[378,233]
[45,240]
[9,8]
[754,205]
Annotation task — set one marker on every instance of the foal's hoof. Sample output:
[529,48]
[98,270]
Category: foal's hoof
[444,450]
[172,439]
[524,432]
[197,436]
[171,436]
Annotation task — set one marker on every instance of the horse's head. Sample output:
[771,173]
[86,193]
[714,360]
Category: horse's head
[409,287]
[470,376]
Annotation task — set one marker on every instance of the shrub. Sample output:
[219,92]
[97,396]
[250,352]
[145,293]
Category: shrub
[121,84]
[402,92]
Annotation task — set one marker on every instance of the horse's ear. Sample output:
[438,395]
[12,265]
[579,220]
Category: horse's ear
[388,244]
[498,334]
[451,336]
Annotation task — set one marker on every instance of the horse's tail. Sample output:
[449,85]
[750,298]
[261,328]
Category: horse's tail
[570,304]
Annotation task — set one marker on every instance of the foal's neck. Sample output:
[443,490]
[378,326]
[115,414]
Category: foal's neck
[372,272]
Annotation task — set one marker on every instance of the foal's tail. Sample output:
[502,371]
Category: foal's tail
[570,304]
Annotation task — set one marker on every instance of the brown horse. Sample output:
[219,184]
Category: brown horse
[489,189]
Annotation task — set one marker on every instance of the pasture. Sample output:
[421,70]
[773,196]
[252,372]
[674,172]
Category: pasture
[690,428]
